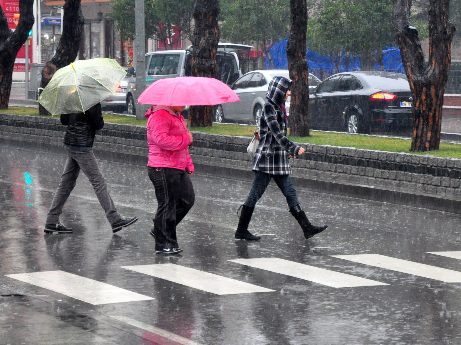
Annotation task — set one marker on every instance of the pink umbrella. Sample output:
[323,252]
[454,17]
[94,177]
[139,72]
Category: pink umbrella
[188,91]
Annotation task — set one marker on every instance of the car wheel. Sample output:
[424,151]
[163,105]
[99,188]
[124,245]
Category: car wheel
[130,106]
[352,123]
[219,114]
[257,113]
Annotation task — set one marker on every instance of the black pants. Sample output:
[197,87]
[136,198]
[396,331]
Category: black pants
[175,197]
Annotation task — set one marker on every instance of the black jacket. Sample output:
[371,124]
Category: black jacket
[82,127]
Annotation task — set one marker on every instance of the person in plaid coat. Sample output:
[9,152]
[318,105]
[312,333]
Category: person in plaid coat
[271,161]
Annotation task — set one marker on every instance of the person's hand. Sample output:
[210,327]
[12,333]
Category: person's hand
[190,137]
[301,151]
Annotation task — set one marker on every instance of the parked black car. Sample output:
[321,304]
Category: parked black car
[361,102]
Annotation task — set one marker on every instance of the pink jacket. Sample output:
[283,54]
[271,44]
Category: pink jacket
[168,140]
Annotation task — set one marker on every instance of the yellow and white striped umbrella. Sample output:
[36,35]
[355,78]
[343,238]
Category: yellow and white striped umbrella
[77,87]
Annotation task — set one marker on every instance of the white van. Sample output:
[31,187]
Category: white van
[177,63]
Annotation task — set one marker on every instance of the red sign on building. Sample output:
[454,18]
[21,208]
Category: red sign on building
[11,11]
[172,37]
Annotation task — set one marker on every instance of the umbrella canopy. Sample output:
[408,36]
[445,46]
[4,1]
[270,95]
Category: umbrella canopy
[77,87]
[188,91]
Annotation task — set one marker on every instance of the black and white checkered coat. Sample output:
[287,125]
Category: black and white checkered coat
[274,147]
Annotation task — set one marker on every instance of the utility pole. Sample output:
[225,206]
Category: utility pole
[26,68]
[140,52]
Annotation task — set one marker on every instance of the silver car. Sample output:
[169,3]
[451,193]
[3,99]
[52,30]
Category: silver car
[252,89]
[123,99]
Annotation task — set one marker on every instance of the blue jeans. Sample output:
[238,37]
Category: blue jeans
[260,183]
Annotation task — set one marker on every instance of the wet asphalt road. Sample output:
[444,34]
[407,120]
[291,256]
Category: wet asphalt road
[401,308]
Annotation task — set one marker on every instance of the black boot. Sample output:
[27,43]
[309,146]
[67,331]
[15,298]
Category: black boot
[242,232]
[308,229]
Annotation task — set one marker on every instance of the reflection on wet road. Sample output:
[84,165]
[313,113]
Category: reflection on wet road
[380,274]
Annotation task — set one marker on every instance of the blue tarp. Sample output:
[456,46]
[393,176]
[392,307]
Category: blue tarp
[323,66]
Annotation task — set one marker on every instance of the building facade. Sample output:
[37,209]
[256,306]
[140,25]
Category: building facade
[100,38]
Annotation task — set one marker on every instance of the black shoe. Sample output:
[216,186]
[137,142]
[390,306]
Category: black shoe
[246,235]
[159,249]
[169,251]
[123,223]
[57,229]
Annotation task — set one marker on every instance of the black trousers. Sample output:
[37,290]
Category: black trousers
[175,197]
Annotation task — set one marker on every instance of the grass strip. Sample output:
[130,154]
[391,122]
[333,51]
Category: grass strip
[357,141]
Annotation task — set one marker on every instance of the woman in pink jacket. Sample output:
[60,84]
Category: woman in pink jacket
[169,166]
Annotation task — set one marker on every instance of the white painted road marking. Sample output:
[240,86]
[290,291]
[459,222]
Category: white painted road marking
[81,288]
[405,266]
[306,272]
[197,279]
[144,326]
[453,254]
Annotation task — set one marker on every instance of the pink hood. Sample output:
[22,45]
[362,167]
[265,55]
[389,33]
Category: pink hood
[168,139]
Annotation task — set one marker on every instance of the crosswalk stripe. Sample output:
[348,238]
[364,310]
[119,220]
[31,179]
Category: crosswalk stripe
[452,254]
[197,279]
[405,266]
[314,274]
[155,330]
[81,288]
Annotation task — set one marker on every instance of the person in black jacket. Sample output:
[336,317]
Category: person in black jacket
[78,139]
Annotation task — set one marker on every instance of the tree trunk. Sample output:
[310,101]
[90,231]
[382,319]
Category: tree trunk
[297,65]
[427,79]
[204,47]
[68,46]
[10,43]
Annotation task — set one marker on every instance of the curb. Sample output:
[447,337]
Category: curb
[418,181]
[355,191]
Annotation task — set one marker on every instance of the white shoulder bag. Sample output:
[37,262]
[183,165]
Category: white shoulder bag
[253,145]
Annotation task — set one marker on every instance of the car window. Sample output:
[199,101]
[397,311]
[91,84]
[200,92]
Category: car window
[163,64]
[328,85]
[257,80]
[228,70]
[388,82]
[284,74]
[348,83]
[242,83]
[313,81]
